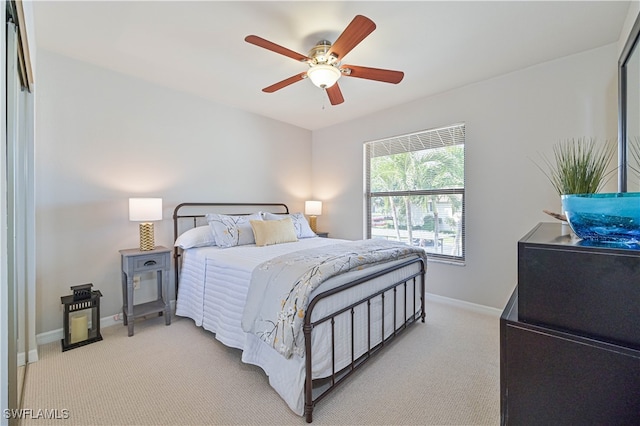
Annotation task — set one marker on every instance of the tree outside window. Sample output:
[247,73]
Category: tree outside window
[415,190]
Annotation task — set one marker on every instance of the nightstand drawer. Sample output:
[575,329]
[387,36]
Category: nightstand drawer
[149,262]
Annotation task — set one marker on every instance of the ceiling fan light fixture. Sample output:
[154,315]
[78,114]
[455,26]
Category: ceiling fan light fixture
[323,76]
[324,61]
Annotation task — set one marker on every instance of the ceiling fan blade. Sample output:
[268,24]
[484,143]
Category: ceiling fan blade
[266,44]
[284,83]
[356,31]
[387,76]
[335,95]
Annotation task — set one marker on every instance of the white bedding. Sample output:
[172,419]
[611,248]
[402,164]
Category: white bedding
[213,289]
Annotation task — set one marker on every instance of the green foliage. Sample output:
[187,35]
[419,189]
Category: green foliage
[429,223]
[429,169]
[580,166]
[432,170]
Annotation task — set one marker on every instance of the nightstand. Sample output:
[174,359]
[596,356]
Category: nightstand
[136,262]
[322,234]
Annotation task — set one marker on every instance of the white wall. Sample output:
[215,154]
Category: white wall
[632,14]
[104,137]
[509,120]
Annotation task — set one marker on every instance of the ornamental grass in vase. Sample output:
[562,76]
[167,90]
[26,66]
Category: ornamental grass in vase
[580,166]
[580,169]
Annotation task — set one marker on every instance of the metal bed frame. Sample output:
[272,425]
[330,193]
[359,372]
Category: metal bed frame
[199,216]
[413,287]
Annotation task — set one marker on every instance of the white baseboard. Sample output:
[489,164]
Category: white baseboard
[53,335]
[56,335]
[49,336]
[22,358]
[482,309]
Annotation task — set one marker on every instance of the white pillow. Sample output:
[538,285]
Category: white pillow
[303,230]
[232,231]
[269,232]
[200,236]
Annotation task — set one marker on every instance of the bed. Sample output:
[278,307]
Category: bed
[347,317]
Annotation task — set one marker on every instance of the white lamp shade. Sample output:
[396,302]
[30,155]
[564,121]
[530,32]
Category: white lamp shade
[145,209]
[313,208]
[323,76]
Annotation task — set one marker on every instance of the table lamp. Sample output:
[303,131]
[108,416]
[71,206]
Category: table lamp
[145,210]
[313,209]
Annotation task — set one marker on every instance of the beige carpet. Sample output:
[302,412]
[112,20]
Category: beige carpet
[443,372]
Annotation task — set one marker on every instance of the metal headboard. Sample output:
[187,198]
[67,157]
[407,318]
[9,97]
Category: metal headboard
[197,211]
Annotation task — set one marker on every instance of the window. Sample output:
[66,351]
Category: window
[414,189]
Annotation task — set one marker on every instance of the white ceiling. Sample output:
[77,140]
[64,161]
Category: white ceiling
[198,47]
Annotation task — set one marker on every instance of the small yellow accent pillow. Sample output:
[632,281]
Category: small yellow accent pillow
[267,232]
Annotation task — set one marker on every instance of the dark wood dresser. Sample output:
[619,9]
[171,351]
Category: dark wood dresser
[570,334]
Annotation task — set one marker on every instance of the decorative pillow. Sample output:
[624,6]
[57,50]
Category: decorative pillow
[232,231]
[269,232]
[199,236]
[303,230]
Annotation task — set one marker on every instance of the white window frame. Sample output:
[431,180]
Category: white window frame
[418,141]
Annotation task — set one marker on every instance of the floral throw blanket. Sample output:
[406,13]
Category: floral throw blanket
[279,290]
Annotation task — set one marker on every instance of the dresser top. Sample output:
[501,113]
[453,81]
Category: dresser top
[559,236]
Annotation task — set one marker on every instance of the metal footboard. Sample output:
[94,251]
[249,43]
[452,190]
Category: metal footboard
[413,306]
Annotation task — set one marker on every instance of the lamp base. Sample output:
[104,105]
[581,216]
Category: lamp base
[312,223]
[146,237]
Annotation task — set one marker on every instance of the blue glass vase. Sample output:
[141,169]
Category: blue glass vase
[605,217]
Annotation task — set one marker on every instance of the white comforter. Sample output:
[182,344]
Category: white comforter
[281,288]
[213,290]
[214,283]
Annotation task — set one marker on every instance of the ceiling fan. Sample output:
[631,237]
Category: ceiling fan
[324,61]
